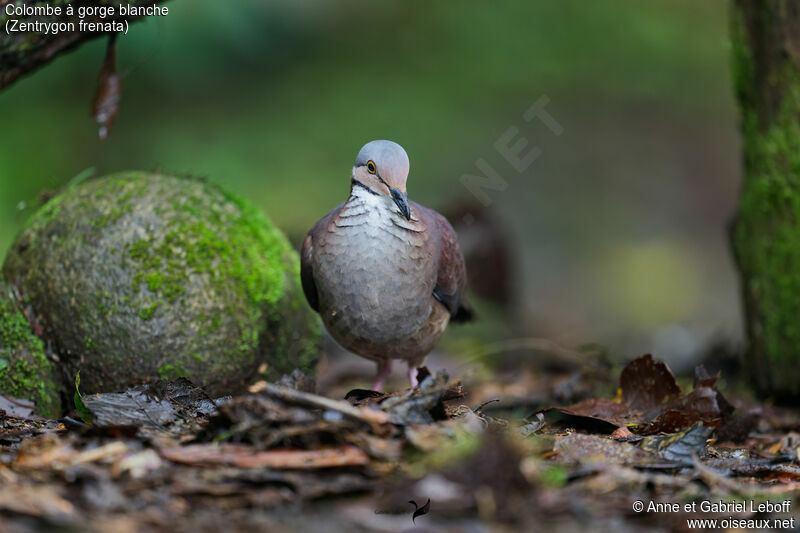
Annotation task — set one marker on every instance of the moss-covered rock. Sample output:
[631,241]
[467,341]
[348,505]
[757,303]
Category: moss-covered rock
[139,276]
[25,372]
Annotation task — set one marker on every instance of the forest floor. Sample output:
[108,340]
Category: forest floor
[566,447]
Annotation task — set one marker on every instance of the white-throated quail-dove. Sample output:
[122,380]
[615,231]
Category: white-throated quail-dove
[384,273]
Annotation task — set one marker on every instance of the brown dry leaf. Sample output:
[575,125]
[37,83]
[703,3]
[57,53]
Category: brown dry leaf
[610,411]
[705,404]
[647,383]
[596,415]
[652,403]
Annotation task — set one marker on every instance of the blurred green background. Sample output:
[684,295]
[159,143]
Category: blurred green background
[615,234]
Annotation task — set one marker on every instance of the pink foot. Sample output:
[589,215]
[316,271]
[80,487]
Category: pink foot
[384,369]
[412,375]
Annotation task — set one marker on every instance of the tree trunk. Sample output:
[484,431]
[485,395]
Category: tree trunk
[24,52]
[766,234]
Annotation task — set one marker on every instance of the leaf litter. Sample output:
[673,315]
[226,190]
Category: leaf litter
[166,456]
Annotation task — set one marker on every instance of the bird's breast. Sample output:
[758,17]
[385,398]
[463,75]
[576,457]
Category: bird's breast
[374,273]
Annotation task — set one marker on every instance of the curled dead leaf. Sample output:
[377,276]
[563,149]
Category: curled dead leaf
[105,105]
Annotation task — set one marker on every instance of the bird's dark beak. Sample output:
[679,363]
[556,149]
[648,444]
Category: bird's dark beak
[402,202]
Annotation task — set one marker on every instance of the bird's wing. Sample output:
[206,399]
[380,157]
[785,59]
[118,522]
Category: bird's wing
[307,272]
[451,280]
[307,256]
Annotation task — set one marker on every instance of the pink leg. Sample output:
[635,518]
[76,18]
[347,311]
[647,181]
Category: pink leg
[384,369]
[412,375]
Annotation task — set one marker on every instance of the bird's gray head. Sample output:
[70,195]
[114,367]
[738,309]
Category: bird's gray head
[382,167]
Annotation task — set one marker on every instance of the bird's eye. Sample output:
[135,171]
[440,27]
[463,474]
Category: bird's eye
[371,167]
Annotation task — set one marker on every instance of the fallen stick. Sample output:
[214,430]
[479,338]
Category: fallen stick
[374,418]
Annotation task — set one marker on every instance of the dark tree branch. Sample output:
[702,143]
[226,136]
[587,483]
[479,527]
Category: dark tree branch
[22,53]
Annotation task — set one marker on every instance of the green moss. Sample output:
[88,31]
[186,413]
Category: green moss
[172,371]
[16,329]
[25,371]
[767,231]
[180,273]
[103,306]
[139,249]
[224,245]
[209,324]
[154,281]
[50,210]
[148,312]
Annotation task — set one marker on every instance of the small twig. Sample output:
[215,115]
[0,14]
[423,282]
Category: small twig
[779,459]
[480,406]
[72,422]
[372,417]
